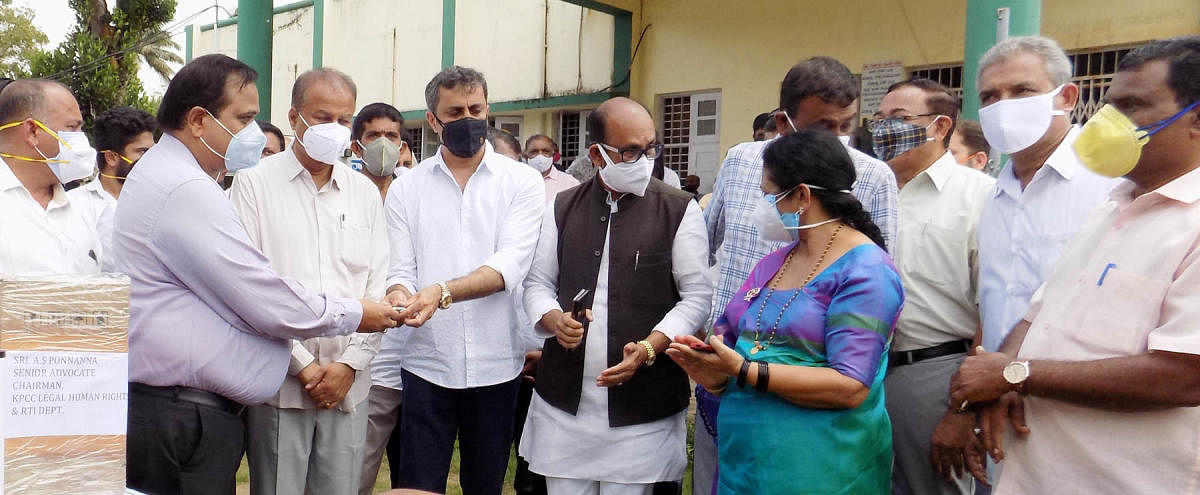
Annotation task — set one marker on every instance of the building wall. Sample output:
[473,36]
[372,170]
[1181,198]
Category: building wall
[392,48]
[695,45]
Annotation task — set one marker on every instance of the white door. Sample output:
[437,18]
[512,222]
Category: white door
[704,146]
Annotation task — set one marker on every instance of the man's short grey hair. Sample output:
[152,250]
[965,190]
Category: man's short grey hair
[324,74]
[450,78]
[1054,59]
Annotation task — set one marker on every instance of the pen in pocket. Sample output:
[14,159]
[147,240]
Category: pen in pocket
[636,257]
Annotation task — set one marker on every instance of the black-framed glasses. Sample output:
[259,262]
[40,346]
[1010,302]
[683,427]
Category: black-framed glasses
[630,155]
[876,122]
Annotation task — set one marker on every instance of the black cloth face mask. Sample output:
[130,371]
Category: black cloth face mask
[464,137]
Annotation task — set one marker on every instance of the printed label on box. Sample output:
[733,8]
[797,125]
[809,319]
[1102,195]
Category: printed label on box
[65,393]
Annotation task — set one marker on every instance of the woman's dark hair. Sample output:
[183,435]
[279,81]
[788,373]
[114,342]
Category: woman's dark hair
[817,158]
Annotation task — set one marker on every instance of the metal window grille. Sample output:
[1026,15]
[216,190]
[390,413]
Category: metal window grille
[1092,71]
[569,127]
[418,137]
[676,132]
[949,76]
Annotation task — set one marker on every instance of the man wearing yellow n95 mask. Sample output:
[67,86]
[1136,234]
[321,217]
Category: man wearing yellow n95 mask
[1103,367]
[43,147]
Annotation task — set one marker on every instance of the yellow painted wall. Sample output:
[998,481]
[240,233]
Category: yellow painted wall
[744,48]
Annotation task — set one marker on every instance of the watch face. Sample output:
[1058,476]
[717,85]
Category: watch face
[1016,372]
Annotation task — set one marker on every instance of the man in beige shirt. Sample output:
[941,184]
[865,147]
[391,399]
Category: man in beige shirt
[321,223]
[935,253]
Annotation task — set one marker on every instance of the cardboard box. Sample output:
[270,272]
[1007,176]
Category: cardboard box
[65,387]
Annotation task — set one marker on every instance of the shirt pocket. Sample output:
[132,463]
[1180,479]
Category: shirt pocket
[1117,311]
[939,256]
[355,246]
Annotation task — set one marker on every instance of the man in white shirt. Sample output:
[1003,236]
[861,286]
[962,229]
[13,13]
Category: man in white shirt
[1043,194]
[610,413]
[463,226]
[935,253]
[318,222]
[122,135]
[41,229]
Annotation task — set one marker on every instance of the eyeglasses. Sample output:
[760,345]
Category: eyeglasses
[875,123]
[630,155]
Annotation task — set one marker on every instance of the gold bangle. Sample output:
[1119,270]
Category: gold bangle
[649,351]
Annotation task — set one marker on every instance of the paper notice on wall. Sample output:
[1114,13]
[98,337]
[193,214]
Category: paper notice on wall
[876,78]
[52,393]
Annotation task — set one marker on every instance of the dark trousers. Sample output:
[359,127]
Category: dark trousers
[181,447]
[432,417]
[525,482]
[393,450]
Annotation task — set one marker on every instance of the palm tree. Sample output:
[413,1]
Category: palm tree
[160,52]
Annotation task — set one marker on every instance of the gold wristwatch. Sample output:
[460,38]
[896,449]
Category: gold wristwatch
[444,302]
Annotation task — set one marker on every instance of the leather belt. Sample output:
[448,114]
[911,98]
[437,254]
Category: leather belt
[189,394]
[918,355]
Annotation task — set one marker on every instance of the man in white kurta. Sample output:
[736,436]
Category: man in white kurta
[582,453]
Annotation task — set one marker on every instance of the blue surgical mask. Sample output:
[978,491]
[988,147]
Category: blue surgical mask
[244,150]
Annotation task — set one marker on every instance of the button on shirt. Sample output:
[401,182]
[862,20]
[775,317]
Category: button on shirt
[97,206]
[206,310]
[56,239]
[333,241]
[559,444]
[732,236]
[1022,233]
[1126,284]
[440,232]
[936,254]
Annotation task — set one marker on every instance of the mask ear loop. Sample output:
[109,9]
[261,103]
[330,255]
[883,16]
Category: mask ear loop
[1152,129]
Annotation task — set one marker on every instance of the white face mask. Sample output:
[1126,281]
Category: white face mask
[776,226]
[540,162]
[626,177]
[325,143]
[75,160]
[1013,125]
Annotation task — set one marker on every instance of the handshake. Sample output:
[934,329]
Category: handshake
[400,308]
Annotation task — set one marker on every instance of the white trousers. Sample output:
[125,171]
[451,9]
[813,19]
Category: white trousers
[298,451]
[568,486]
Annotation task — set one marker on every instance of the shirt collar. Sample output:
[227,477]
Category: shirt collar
[8,179]
[294,170]
[941,170]
[489,156]
[1062,161]
[1184,189]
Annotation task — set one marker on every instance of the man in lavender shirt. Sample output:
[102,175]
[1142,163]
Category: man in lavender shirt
[209,320]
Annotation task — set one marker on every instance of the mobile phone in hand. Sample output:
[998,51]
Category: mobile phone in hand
[702,347]
[578,311]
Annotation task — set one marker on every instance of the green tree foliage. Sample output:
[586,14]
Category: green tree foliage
[21,40]
[99,58]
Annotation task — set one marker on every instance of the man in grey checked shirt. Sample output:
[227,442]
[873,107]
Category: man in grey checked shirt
[817,93]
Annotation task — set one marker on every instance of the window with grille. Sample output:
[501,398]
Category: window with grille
[949,76]
[1092,71]
[570,136]
[676,132]
[418,134]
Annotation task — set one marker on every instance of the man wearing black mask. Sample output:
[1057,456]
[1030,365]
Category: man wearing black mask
[463,225]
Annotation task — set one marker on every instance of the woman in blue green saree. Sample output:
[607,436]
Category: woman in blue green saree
[801,350]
